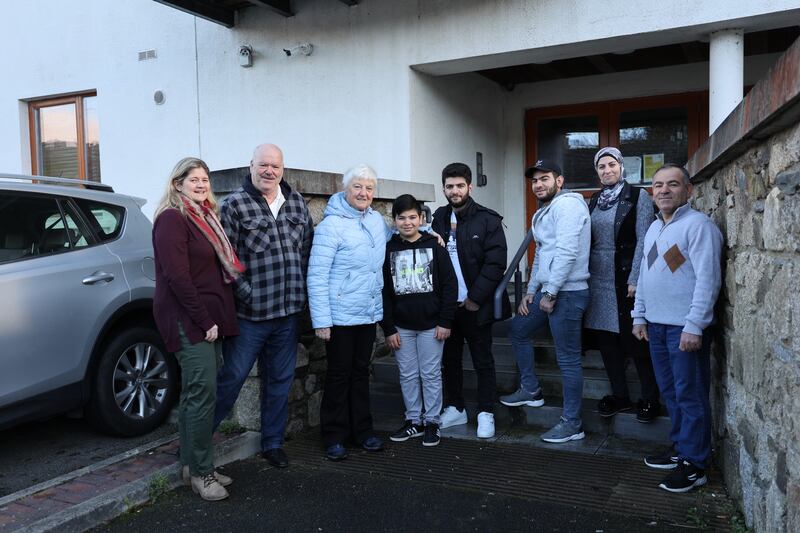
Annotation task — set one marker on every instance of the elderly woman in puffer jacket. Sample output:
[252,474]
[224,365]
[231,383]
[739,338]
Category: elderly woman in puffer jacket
[345,280]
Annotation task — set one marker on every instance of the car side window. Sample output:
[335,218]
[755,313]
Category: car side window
[105,219]
[33,226]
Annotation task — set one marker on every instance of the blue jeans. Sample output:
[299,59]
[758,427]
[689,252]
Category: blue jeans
[685,382]
[565,324]
[274,344]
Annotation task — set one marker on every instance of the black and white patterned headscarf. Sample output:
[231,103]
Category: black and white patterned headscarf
[610,194]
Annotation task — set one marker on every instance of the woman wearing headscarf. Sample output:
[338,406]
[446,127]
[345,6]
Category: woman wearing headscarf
[620,215]
[194,309]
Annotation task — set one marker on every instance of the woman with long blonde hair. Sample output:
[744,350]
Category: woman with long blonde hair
[194,310]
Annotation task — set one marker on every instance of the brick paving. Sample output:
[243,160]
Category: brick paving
[29,509]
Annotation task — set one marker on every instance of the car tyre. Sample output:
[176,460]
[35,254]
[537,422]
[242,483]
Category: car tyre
[135,384]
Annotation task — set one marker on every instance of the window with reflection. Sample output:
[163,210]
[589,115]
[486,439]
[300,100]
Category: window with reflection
[648,138]
[571,142]
[65,137]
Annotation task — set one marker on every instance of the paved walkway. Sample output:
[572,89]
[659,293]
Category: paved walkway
[462,485]
[90,495]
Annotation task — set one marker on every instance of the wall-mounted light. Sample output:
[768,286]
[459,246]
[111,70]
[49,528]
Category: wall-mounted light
[245,56]
[305,49]
[479,175]
[159,97]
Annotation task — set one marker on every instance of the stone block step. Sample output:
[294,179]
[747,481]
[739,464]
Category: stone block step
[387,401]
[595,381]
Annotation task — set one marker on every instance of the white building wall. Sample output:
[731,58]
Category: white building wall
[54,47]
[354,100]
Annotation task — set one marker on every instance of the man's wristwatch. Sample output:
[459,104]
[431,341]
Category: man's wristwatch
[551,297]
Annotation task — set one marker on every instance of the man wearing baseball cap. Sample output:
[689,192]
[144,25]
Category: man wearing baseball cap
[558,294]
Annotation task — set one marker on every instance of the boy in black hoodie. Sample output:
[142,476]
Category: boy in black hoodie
[419,303]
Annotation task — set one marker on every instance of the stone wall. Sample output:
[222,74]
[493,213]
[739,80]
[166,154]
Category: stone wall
[747,178]
[756,393]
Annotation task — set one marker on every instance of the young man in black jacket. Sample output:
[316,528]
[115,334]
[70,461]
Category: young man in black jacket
[419,302]
[477,247]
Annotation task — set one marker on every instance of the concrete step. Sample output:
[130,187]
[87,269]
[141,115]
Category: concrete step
[387,403]
[595,381]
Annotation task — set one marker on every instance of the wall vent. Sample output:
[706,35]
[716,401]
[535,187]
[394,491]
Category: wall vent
[144,55]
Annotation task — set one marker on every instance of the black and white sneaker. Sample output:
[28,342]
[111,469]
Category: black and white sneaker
[666,461]
[409,430]
[685,477]
[431,437]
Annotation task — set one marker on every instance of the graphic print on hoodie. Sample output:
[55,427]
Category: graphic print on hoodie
[411,270]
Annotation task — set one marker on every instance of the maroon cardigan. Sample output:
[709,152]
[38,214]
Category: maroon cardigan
[189,286]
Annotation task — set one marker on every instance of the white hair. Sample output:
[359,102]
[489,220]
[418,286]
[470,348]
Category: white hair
[360,172]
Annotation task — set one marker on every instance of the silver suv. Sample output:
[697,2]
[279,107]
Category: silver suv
[76,295]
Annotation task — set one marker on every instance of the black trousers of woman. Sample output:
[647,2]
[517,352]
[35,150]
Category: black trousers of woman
[345,412]
[614,350]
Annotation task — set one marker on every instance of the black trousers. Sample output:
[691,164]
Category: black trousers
[479,340]
[345,412]
[614,350]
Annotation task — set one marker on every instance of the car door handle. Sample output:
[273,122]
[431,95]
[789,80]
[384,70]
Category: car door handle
[96,277]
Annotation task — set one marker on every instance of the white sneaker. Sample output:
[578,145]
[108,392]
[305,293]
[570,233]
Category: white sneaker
[452,417]
[485,425]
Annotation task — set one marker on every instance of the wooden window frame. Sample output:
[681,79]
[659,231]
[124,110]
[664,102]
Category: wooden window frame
[33,127]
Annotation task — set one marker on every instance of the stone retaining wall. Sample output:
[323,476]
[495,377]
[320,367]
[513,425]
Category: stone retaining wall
[747,178]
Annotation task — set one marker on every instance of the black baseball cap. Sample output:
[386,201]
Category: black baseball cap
[545,165]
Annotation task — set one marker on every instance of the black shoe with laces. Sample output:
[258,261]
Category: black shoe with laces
[406,432]
[647,411]
[665,461]
[611,405]
[432,436]
[685,477]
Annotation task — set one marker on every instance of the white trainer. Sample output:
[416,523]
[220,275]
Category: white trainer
[452,417]
[485,425]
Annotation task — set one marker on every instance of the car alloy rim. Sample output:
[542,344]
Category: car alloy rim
[141,380]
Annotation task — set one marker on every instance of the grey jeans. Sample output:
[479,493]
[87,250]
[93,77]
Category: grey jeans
[419,360]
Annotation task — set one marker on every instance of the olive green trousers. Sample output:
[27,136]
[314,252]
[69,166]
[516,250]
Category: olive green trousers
[199,363]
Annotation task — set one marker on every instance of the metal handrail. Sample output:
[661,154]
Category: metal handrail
[513,270]
[86,184]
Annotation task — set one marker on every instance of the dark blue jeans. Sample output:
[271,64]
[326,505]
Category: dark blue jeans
[565,324]
[685,381]
[274,344]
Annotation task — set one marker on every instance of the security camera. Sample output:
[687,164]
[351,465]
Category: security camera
[245,56]
[305,49]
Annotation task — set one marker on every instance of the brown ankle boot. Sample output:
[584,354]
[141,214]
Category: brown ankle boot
[187,478]
[208,487]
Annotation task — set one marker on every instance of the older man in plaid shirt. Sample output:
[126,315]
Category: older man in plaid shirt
[270,228]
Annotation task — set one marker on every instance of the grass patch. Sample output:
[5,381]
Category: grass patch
[158,487]
[230,427]
[695,518]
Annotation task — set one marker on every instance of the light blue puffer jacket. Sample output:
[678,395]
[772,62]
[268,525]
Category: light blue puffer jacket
[345,275]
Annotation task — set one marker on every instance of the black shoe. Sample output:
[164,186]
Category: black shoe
[372,444]
[432,437]
[406,432]
[276,457]
[611,405]
[647,411]
[336,452]
[684,478]
[666,461]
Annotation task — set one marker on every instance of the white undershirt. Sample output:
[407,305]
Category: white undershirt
[275,205]
[452,249]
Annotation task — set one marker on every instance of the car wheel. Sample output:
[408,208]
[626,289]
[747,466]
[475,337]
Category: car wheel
[135,384]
